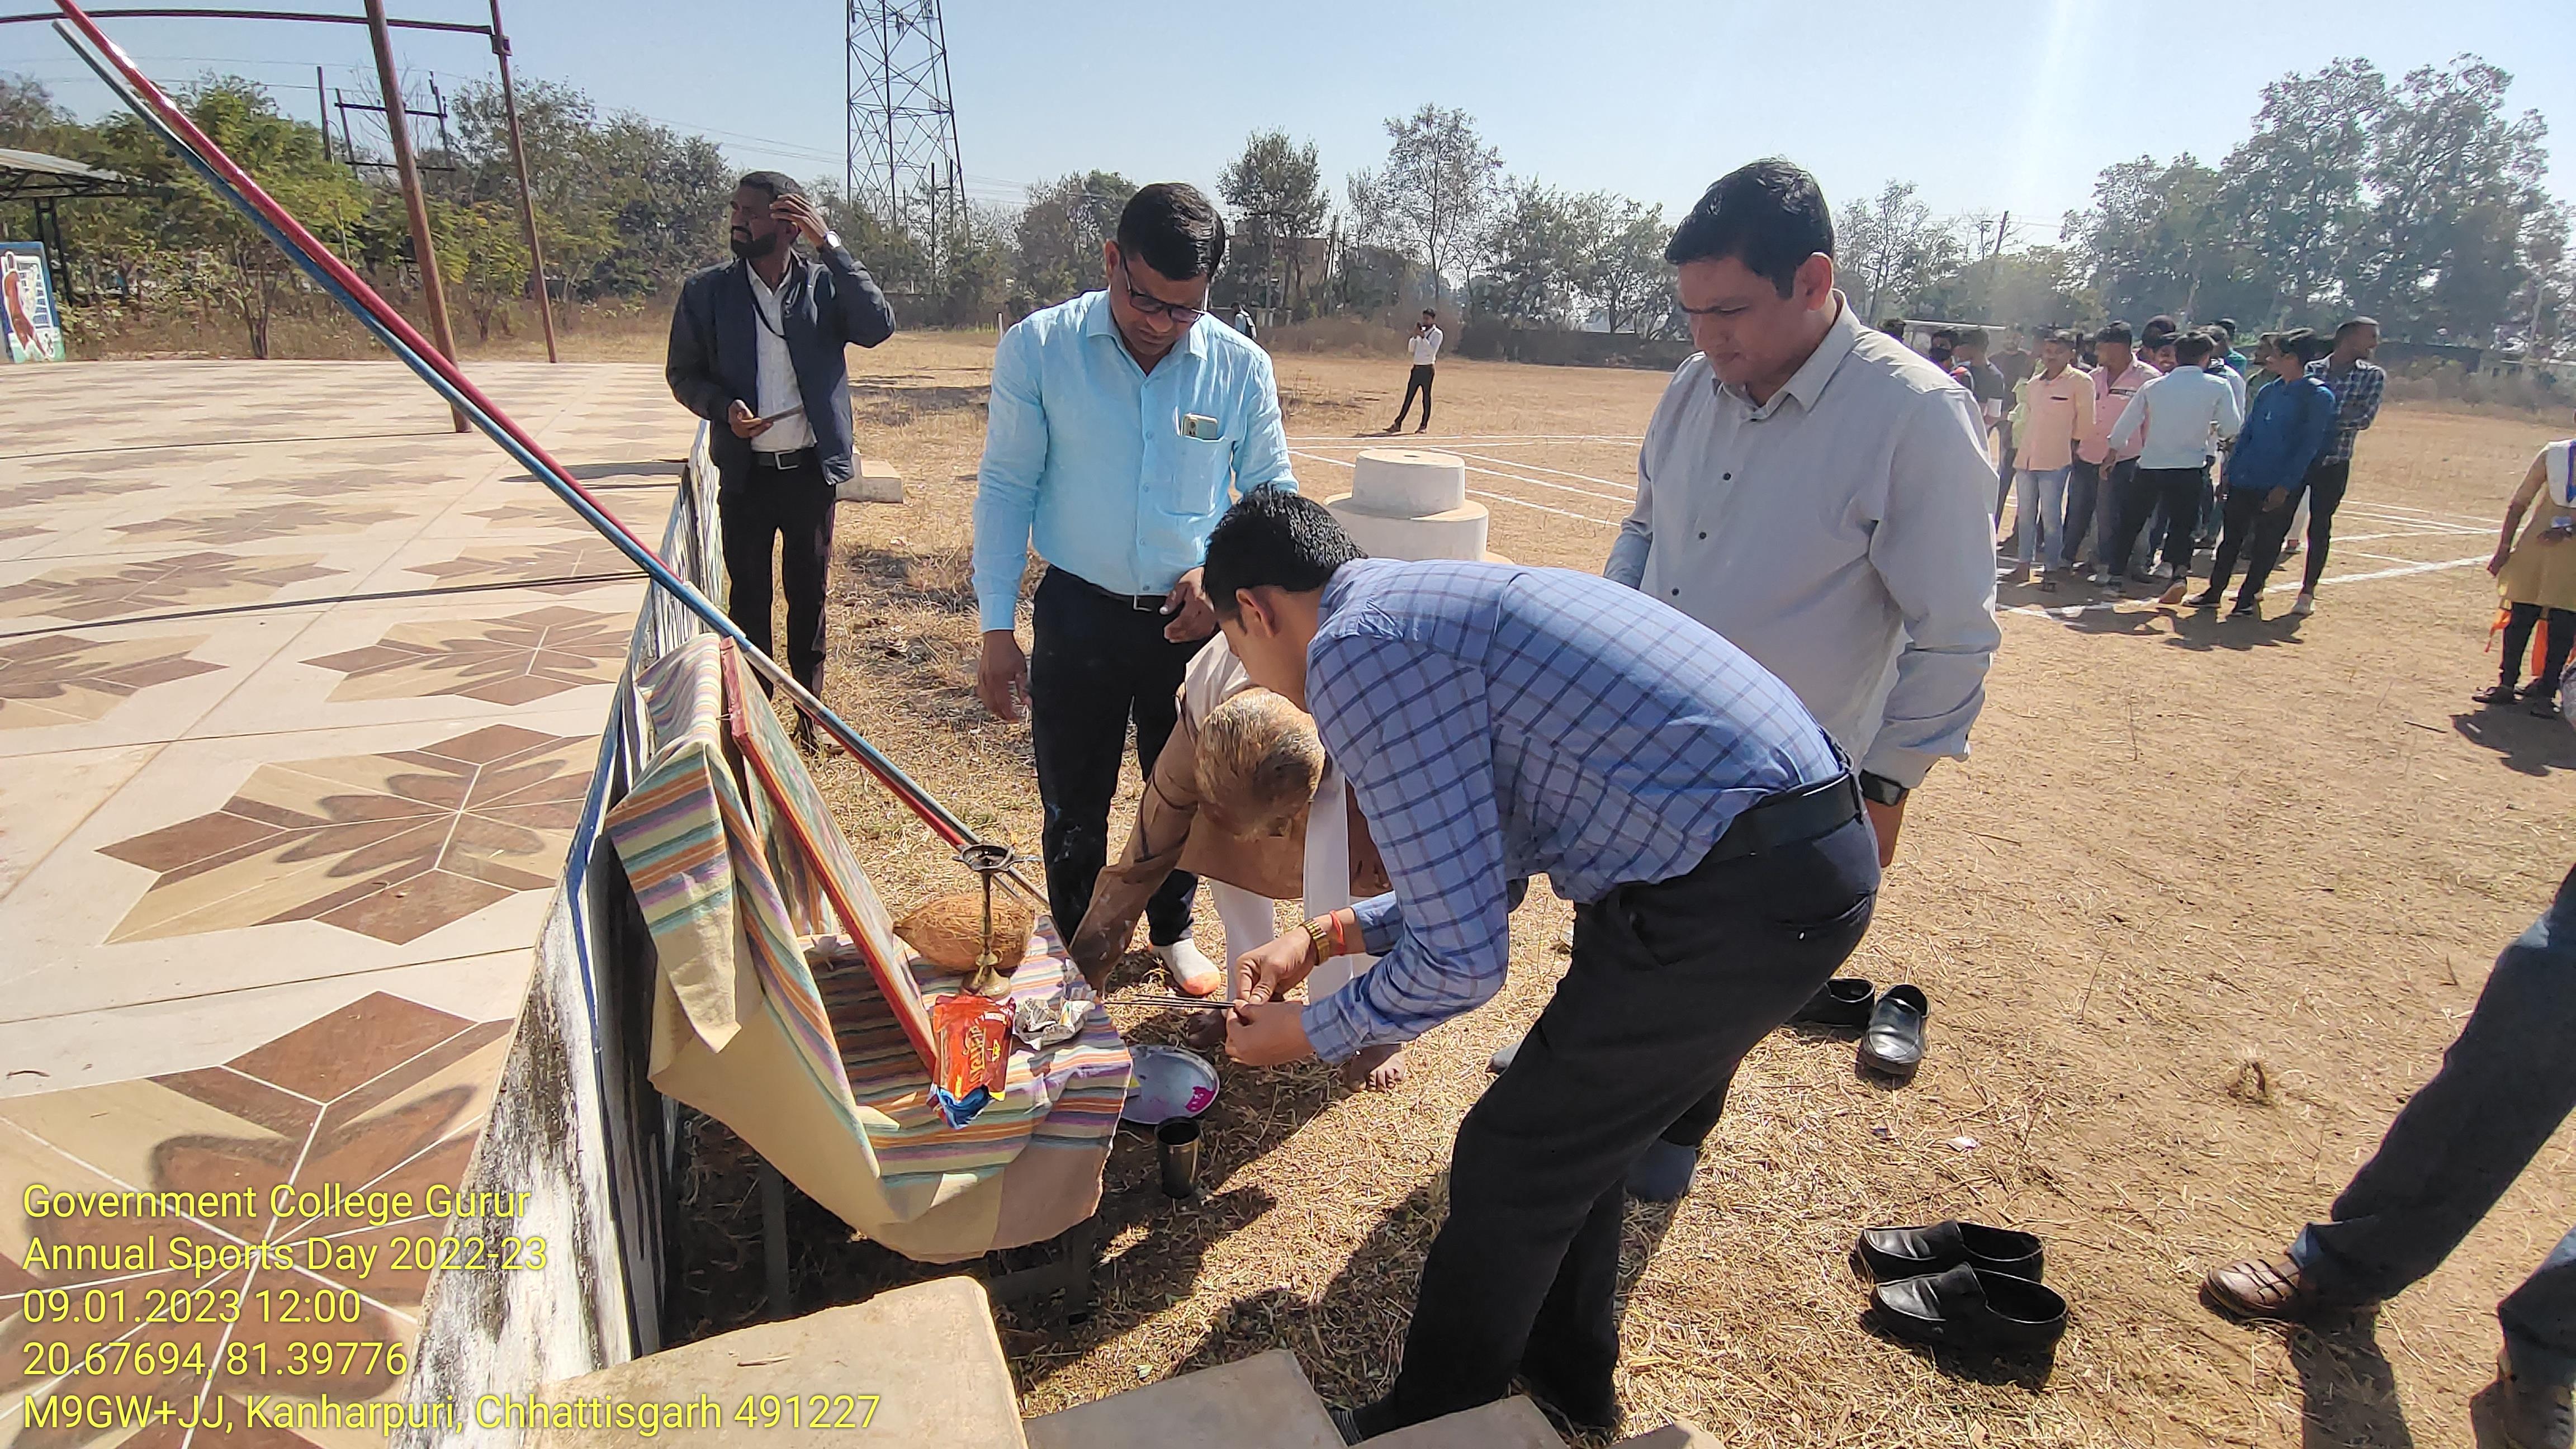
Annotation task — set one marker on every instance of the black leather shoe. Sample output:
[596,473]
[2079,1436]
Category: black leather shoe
[1893,1044]
[1894,1253]
[1969,1309]
[1843,1001]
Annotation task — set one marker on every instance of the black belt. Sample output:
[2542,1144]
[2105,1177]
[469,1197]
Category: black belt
[1141,603]
[785,462]
[1791,818]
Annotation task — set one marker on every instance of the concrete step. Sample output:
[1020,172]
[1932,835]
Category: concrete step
[875,481]
[927,1354]
[1679,1434]
[1513,1423]
[1262,1402]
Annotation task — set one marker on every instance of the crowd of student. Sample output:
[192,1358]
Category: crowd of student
[2127,450]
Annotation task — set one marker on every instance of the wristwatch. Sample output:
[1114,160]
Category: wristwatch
[831,241]
[1879,790]
[1319,938]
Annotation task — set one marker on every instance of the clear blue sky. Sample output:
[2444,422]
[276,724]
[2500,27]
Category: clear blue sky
[2010,105]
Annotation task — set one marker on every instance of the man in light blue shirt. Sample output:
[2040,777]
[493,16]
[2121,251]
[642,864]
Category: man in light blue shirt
[1122,425]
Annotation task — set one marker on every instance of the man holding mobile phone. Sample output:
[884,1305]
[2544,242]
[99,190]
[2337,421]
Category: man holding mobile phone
[1424,345]
[758,348]
[1122,424]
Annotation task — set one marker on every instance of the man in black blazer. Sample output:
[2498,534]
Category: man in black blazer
[757,349]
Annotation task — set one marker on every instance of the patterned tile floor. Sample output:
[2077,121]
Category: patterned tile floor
[299,697]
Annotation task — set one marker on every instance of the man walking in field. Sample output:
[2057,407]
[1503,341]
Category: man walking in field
[1424,345]
[2358,385]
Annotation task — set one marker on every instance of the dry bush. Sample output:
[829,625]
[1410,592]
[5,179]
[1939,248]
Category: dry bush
[2518,391]
[1337,334]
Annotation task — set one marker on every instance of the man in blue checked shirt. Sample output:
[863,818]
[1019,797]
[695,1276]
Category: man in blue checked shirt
[1497,722]
[1122,422]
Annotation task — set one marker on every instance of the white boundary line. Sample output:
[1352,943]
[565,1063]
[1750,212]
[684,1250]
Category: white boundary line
[1629,499]
[2291,586]
[1560,472]
[2431,515]
[1497,497]
[2426,526]
[1411,440]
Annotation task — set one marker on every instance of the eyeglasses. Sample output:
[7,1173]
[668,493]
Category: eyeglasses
[1153,306]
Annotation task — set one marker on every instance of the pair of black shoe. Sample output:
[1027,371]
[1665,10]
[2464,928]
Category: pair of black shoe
[1891,1022]
[1962,1285]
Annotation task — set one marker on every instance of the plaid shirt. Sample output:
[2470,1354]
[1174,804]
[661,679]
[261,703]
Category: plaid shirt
[1497,722]
[2356,404]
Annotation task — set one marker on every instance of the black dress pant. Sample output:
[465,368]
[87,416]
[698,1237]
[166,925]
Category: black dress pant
[1419,382]
[1099,662]
[2256,530]
[2003,468]
[793,508]
[2178,489]
[2519,622]
[1671,984]
[2326,483]
[2084,483]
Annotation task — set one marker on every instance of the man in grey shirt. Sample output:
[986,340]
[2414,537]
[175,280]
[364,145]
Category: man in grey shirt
[1816,492]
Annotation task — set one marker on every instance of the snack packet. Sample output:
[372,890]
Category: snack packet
[974,1039]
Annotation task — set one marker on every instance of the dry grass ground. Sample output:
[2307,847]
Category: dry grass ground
[2206,905]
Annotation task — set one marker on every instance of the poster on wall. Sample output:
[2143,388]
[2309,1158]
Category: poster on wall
[34,329]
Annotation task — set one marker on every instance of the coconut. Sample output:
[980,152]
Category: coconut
[948,931]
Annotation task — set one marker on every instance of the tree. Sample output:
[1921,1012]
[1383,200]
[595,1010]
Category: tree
[625,206]
[1537,250]
[2043,286]
[1624,270]
[899,261]
[2157,238]
[483,254]
[29,119]
[1890,251]
[1061,228]
[2454,181]
[1276,191]
[2293,189]
[1439,183]
[2545,309]
[200,244]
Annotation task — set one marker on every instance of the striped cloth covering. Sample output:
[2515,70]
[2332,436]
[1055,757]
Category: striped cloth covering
[1064,1098]
[694,856]
[707,869]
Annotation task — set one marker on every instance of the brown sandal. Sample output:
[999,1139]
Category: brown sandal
[2261,1288]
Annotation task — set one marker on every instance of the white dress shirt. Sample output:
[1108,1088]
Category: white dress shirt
[1425,347]
[1842,534]
[777,385]
[2178,413]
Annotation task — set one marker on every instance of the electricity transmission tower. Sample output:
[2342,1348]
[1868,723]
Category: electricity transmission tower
[902,129]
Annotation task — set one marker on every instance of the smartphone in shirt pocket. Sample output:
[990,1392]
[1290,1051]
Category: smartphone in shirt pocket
[1203,467]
